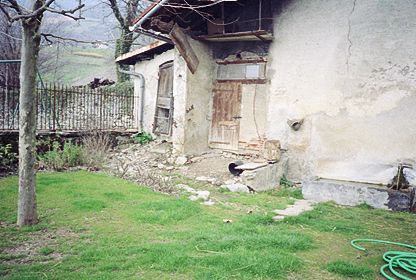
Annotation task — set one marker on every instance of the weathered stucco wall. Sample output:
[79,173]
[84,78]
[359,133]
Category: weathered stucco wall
[191,94]
[253,113]
[198,98]
[349,69]
[179,99]
[150,70]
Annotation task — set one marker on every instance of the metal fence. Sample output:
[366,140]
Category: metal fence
[64,108]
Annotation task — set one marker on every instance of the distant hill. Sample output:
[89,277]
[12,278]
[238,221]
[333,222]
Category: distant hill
[64,62]
[77,65]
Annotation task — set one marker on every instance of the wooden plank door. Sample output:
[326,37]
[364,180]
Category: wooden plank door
[164,103]
[225,123]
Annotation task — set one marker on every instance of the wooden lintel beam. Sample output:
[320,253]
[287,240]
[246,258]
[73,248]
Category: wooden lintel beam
[181,42]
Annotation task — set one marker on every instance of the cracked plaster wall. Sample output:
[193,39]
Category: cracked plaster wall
[349,69]
[198,100]
[192,97]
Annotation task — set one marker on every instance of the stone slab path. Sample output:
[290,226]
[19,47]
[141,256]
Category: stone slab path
[297,208]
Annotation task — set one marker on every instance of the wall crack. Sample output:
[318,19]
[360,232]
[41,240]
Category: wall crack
[347,62]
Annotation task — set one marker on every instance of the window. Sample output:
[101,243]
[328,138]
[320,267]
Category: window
[242,71]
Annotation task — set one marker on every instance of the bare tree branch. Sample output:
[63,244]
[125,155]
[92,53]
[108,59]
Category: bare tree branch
[5,12]
[14,5]
[47,35]
[25,15]
[68,13]
[116,11]
[37,10]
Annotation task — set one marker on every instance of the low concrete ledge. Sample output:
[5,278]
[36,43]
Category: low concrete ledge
[265,177]
[353,194]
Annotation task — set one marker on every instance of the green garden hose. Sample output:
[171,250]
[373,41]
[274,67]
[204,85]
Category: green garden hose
[396,260]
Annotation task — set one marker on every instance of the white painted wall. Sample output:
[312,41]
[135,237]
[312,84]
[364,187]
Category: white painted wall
[349,69]
[150,70]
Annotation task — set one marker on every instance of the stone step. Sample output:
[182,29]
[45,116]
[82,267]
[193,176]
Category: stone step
[251,165]
[296,209]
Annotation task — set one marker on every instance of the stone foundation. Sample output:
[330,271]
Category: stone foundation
[353,194]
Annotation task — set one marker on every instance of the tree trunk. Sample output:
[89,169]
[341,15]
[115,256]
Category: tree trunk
[26,212]
[123,46]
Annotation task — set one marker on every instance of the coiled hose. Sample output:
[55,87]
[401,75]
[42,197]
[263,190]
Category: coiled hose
[395,260]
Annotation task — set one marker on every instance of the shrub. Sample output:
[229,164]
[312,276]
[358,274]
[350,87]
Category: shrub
[285,182]
[123,88]
[142,137]
[7,156]
[96,146]
[58,158]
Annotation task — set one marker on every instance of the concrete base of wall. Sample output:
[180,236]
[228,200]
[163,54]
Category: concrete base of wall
[267,177]
[352,194]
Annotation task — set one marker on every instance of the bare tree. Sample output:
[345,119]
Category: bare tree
[30,17]
[125,12]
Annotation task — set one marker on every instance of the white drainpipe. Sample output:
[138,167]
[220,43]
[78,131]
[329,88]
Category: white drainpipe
[141,94]
[137,25]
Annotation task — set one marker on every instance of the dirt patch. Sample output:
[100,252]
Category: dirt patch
[40,246]
[215,166]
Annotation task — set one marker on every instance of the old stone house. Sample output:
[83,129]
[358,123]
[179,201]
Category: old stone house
[334,81]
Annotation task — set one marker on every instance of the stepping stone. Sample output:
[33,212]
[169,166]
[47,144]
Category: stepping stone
[278,218]
[296,209]
[236,187]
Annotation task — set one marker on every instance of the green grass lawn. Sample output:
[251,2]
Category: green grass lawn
[98,227]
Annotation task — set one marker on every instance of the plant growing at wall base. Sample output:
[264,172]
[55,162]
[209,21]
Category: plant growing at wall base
[96,146]
[60,158]
[285,182]
[7,156]
[142,137]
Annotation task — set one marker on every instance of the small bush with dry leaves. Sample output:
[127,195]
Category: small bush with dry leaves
[96,146]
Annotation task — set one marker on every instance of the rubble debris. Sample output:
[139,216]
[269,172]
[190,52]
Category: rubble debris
[206,179]
[208,203]
[153,165]
[236,187]
[271,150]
[185,188]
[181,160]
[200,195]
[196,159]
